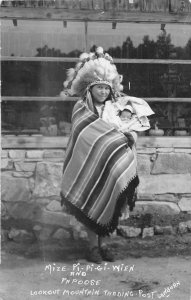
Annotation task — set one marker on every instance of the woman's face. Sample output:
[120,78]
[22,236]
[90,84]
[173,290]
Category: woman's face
[100,92]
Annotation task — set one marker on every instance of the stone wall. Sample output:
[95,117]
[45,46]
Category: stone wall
[165,180]
[31,179]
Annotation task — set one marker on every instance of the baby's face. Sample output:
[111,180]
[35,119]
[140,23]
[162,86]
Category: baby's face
[126,114]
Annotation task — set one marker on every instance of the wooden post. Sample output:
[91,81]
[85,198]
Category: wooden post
[86,35]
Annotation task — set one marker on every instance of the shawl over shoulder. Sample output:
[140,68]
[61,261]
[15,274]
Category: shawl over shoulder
[100,171]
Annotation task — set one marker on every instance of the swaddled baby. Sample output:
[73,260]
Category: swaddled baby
[127,114]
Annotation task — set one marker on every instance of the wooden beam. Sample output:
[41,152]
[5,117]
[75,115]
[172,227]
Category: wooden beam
[39,59]
[116,60]
[33,98]
[157,99]
[42,142]
[22,142]
[48,14]
[58,98]
[151,61]
[164,142]
[112,5]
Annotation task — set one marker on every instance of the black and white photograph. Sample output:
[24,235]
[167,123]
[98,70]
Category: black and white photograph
[95,149]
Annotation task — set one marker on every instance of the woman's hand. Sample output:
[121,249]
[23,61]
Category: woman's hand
[132,137]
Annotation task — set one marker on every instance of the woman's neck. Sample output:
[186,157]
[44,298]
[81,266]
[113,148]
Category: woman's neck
[99,104]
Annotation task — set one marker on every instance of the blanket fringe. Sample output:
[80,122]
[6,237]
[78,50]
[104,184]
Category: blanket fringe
[125,197]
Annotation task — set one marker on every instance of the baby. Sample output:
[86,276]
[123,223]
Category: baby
[126,114]
[124,117]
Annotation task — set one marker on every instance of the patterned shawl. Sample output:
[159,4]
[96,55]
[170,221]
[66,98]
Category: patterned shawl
[98,168]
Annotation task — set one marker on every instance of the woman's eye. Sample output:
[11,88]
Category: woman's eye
[103,88]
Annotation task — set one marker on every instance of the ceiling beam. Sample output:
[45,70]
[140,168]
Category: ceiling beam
[76,15]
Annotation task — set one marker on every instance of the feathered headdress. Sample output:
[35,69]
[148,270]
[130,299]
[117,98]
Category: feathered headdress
[93,68]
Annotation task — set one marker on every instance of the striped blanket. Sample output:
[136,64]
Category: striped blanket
[99,171]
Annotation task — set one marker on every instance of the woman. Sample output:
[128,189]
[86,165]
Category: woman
[100,169]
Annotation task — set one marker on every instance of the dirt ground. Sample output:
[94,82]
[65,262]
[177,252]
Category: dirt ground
[155,268]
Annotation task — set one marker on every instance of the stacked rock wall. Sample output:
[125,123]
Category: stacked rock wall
[165,180]
[31,180]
